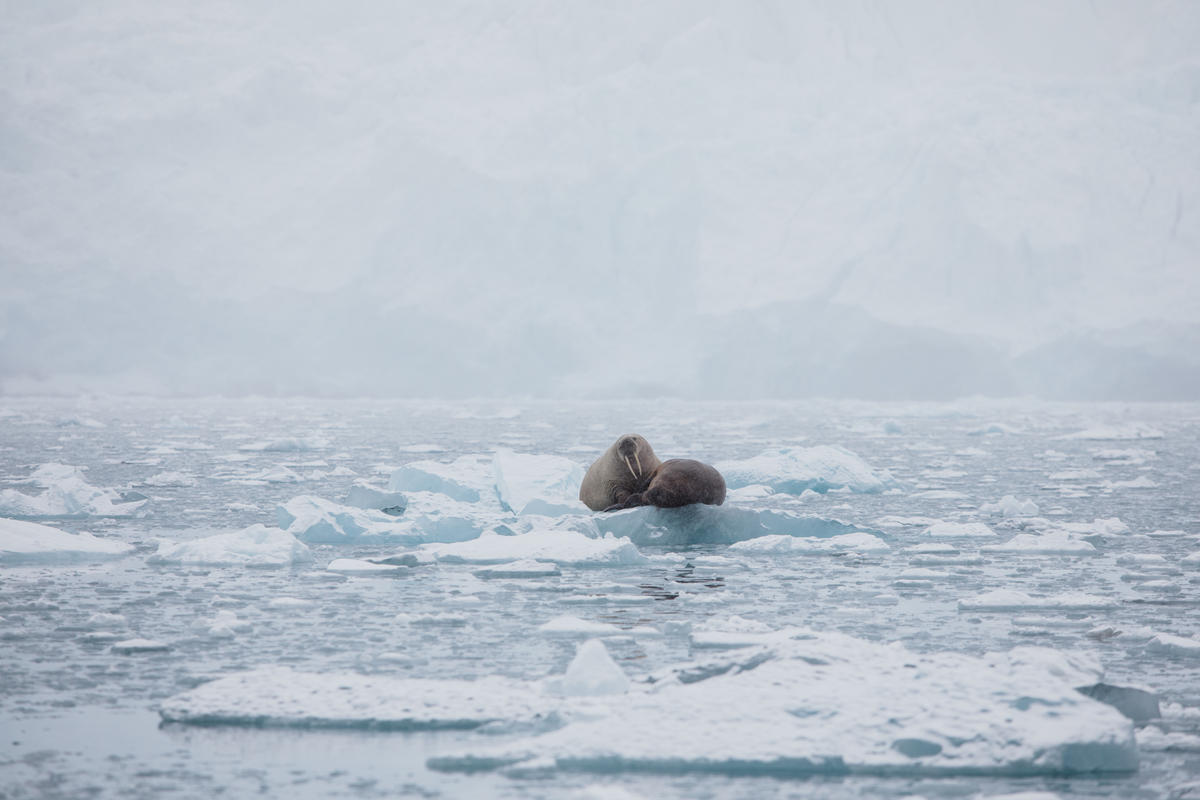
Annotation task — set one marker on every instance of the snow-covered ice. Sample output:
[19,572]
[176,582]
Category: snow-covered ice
[548,544]
[64,493]
[795,470]
[255,546]
[32,542]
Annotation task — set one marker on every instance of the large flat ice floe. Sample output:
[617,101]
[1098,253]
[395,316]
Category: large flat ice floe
[468,479]
[255,546]
[546,544]
[701,524]
[538,484]
[64,493]
[805,703]
[795,470]
[29,542]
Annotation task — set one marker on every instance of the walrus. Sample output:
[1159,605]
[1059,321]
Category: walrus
[624,469]
[678,482]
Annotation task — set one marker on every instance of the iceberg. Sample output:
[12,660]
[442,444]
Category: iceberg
[65,494]
[1169,644]
[24,542]
[364,495]
[538,484]
[255,546]
[319,521]
[591,673]
[827,703]
[794,470]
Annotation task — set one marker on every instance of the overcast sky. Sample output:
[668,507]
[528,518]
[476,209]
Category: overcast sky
[695,198]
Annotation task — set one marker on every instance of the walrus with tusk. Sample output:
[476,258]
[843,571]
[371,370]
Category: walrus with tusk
[630,474]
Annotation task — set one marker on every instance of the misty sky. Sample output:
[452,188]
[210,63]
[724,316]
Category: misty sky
[596,199]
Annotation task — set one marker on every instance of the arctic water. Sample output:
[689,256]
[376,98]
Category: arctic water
[1104,496]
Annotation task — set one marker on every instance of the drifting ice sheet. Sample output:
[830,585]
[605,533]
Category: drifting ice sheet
[557,546]
[845,543]
[255,546]
[538,484]
[796,469]
[467,479]
[29,542]
[701,524]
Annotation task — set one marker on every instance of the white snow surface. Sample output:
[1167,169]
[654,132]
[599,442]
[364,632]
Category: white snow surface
[592,672]
[797,469]
[549,544]
[255,546]
[958,530]
[1013,600]
[538,484]
[32,542]
[1051,543]
[777,544]
[468,478]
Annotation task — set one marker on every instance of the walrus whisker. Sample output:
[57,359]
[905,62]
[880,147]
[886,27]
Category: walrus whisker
[631,472]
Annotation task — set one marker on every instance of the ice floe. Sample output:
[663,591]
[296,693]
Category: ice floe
[65,494]
[355,566]
[1051,543]
[858,542]
[525,568]
[958,530]
[255,546]
[567,625]
[1171,644]
[316,520]
[364,495]
[592,672]
[468,479]
[546,544]
[794,470]
[825,703]
[1123,432]
[1013,600]
[1009,506]
[537,484]
[23,542]
[702,524]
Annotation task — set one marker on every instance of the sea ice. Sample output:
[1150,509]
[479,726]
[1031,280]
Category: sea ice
[1008,507]
[537,484]
[1012,600]
[130,646]
[364,495]
[30,542]
[319,521]
[794,470]
[170,479]
[467,479]
[779,544]
[293,444]
[1174,645]
[255,546]
[65,494]
[544,544]
[1052,543]
[827,703]
[1126,431]
[525,568]
[957,530]
[703,524]
[592,672]
[567,625]
[355,566]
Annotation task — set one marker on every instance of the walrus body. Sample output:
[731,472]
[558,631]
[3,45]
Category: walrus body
[624,469]
[677,482]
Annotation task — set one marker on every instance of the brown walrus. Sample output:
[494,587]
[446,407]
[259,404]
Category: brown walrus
[629,474]
[678,482]
[624,469]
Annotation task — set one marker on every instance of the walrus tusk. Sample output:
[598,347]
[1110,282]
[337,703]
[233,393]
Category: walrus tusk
[631,472]
[639,463]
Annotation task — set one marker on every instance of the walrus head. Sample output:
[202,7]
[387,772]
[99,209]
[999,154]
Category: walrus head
[630,449]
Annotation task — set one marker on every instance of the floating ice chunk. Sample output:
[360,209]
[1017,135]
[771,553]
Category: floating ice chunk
[1009,507]
[130,646]
[848,542]
[553,545]
[519,569]
[341,471]
[993,429]
[275,474]
[290,602]
[1139,705]
[1160,586]
[1154,739]
[893,521]
[1052,543]
[827,703]
[567,625]
[1127,431]
[1170,644]
[364,495]
[285,445]
[749,494]
[958,530]
[316,520]
[30,542]
[1075,475]
[65,494]
[538,484]
[279,697]
[354,566]
[1140,482]
[1191,560]
[102,620]
[224,626]
[592,672]
[940,494]
[170,479]
[78,420]
[1097,529]
[703,524]
[255,546]
[467,479]
[1012,600]
[794,470]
